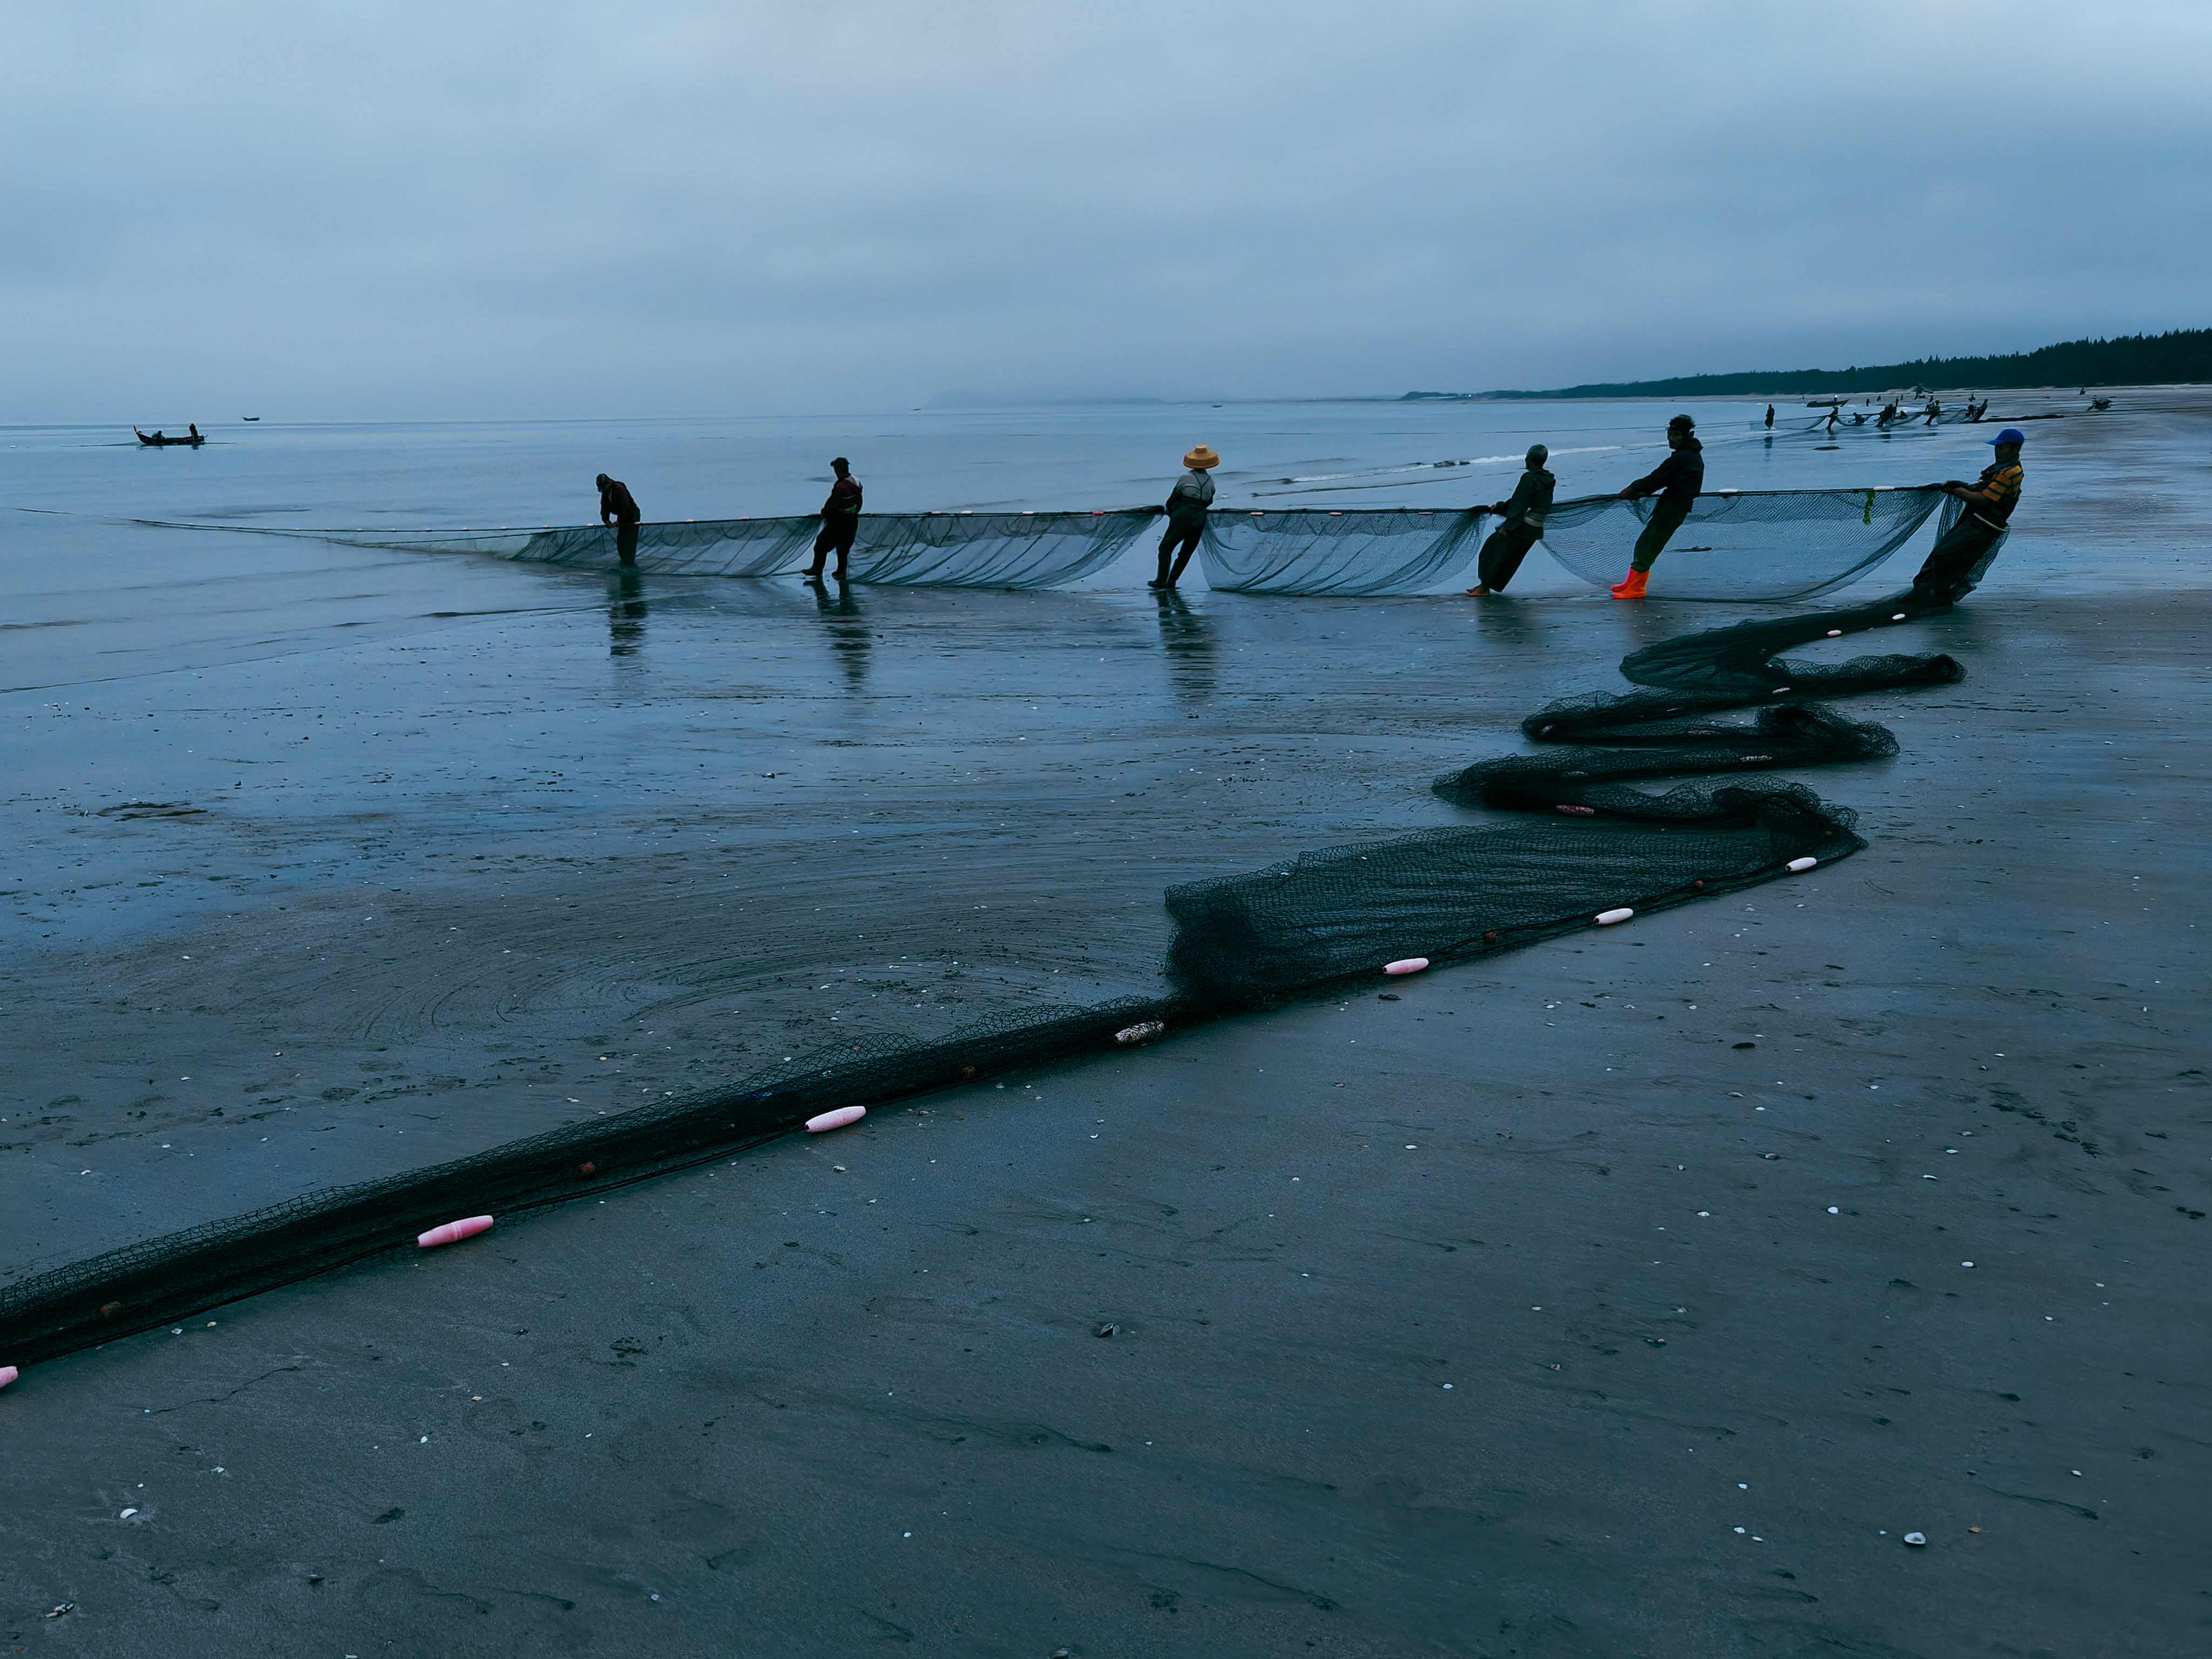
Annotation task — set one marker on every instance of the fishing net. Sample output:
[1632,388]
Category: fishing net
[992,550]
[940,550]
[1589,849]
[1311,551]
[1758,546]
[1735,544]
[1744,545]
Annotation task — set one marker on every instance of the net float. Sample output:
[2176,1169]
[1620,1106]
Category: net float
[1801,864]
[8,1374]
[1584,811]
[1835,633]
[1143,1032]
[587,1168]
[1900,616]
[1606,918]
[1406,965]
[454,1232]
[836,1119]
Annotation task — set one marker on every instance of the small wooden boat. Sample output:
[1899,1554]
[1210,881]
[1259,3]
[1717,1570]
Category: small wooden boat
[249,417]
[158,440]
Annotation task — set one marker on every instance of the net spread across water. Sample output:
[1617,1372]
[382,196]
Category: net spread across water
[1755,545]
[1589,848]
[938,549]
[1735,544]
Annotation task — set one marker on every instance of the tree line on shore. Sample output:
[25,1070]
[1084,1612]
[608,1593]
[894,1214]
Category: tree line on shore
[2179,356]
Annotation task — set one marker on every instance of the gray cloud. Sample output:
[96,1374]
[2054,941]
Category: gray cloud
[414,209]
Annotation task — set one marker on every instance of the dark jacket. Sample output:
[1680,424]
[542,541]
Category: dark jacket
[1677,479]
[1531,499]
[843,505]
[616,502]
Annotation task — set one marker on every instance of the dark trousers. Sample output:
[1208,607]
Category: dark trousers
[837,535]
[1501,553]
[626,542]
[1179,543]
[1666,518]
[1955,563]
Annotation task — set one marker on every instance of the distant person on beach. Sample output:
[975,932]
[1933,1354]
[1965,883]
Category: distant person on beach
[1676,482]
[619,507]
[1770,418]
[1187,505]
[1521,529]
[841,519]
[1954,563]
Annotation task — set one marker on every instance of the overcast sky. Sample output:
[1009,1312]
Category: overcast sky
[478,209]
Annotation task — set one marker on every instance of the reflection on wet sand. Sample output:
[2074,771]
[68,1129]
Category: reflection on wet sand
[1504,621]
[1187,636]
[625,613]
[849,632]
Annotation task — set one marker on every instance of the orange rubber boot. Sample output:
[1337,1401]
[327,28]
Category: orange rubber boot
[1632,588]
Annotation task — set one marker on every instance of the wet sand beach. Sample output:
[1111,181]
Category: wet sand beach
[1609,1297]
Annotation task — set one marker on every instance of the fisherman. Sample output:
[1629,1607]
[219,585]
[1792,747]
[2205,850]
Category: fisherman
[1770,418]
[619,507]
[1955,562]
[1834,412]
[1935,411]
[841,519]
[1676,481]
[1521,528]
[193,427]
[1186,509]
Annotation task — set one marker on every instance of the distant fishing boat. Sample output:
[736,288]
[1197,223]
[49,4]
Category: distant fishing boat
[249,417]
[159,441]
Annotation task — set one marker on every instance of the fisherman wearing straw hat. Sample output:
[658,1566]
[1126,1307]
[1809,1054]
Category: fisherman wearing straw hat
[1186,510]
[1955,563]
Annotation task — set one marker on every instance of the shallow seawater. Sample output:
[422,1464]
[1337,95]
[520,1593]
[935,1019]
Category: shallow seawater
[323,861]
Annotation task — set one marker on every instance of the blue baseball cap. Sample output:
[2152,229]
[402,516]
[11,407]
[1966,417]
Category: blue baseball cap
[2011,435]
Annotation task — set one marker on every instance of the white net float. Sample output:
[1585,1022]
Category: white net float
[454,1232]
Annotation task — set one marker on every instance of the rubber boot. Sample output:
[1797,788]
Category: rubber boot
[1632,588]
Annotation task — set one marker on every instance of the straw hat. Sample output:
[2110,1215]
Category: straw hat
[1200,459]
